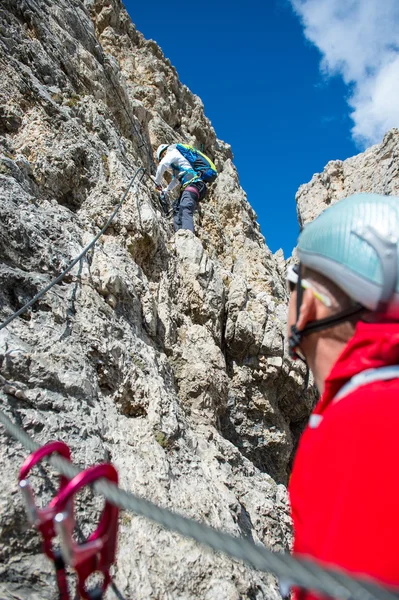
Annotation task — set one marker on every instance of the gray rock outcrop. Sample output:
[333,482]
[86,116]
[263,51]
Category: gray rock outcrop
[162,353]
[375,171]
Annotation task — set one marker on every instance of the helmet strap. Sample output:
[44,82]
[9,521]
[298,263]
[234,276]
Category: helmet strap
[314,326]
[299,292]
[297,334]
[328,322]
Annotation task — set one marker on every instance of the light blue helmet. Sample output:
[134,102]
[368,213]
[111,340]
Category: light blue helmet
[354,243]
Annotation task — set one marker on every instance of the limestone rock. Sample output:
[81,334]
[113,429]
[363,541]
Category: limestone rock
[376,170]
[162,353]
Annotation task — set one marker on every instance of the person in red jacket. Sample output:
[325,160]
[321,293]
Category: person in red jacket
[343,320]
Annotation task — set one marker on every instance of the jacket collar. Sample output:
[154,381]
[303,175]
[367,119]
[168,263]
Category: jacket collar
[373,345]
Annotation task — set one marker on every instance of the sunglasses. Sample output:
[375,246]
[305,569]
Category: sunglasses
[292,282]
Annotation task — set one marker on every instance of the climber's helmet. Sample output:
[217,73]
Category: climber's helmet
[161,149]
[354,243]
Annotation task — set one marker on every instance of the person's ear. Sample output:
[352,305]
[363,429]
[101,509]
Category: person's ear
[307,311]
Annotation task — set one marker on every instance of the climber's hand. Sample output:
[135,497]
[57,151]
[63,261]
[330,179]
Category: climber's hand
[157,187]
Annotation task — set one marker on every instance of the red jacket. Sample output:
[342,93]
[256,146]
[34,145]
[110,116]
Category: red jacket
[344,488]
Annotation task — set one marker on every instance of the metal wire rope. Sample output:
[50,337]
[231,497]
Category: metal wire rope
[105,62]
[301,572]
[77,259]
[108,76]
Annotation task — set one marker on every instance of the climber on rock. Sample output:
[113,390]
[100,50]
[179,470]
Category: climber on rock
[343,319]
[191,170]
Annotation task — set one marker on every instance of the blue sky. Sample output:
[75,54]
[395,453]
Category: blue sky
[290,84]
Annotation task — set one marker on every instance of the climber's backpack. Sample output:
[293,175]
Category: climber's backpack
[200,163]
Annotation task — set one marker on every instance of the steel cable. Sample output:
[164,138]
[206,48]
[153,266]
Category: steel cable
[300,572]
[303,573]
[77,259]
[98,46]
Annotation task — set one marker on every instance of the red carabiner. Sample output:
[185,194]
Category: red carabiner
[42,518]
[97,553]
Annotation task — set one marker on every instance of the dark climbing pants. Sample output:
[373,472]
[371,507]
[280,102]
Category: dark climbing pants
[184,207]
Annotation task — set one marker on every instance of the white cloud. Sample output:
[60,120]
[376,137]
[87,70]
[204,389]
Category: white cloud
[359,41]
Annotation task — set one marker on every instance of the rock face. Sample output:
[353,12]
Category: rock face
[162,353]
[376,170]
